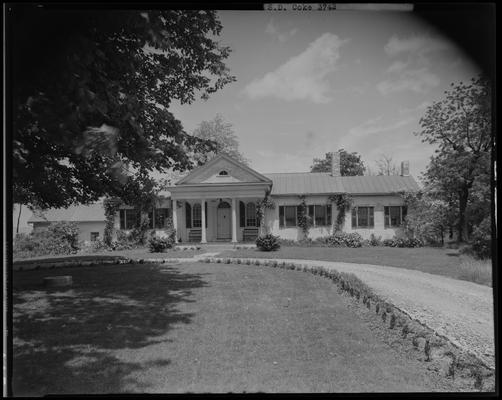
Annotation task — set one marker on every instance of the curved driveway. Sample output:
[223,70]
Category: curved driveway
[459,310]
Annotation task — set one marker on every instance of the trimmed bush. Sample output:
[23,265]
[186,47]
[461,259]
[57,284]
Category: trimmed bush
[158,245]
[344,239]
[403,242]
[268,242]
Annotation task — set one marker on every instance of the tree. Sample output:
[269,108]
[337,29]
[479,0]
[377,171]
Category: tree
[460,125]
[91,92]
[222,135]
[386,166]
[350,164]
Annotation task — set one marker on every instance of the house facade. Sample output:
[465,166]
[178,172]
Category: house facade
[217,202]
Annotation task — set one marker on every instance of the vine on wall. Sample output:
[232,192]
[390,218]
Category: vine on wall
[261,206]
[343,203]
[304,221]
[111,206]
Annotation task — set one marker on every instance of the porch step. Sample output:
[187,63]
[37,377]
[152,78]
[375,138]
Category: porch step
[195,235]
[249,234]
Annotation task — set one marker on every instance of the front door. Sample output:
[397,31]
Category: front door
[224,221]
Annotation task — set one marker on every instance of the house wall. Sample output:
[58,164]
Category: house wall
[295,233]
[85,229]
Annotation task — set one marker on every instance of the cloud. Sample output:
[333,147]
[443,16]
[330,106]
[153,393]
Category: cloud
[416,80]
[412,72]
[273,29]
[302,77]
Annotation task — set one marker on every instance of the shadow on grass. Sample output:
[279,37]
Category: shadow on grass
[64,338]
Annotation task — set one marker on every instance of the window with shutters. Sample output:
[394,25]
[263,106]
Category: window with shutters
[363,217]
[250,214]
[196,216]
[394,216]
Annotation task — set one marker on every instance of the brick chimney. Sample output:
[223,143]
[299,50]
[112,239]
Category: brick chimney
[335,164]
[405,168]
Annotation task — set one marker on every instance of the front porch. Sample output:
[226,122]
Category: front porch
[216,220]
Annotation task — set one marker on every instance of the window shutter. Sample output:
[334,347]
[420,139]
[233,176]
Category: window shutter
[281,216]
[328,214]
[354,217]
[242,214]
[188,215]
[371,217]
[311,211]
[205,208]
[386,217]
[258,220]
[404,212]
[122,219]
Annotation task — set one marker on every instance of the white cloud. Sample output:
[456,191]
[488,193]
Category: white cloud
[414,72]
[302,77]
[416,80]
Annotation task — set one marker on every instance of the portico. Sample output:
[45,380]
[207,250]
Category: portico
[218,202]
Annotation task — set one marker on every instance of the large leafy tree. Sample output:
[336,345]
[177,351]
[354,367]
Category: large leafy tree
[350,164]
[460,126]
[222,135]
[91,93]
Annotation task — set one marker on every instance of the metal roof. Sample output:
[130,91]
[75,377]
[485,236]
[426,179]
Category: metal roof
[323,183]
[91,212]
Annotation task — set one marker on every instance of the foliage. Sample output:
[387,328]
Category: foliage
[403,242]
[344,239]
[59,238]
[460,127]
[343,203]
[158,245]
[95,110]
[222,135]
[268,242]
[386,166]
[304,220]
[111,206]
[482,239]
[138,234]
[375,241]
[350,164]
[428,217]
[169,230]
[265,204]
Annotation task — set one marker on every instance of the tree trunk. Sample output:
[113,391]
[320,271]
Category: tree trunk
[462,217]
[18,218]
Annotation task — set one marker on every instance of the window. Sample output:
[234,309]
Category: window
[394,216]
[158,218]
[363,217]
[129,219]
[196,216]
[289,216]
[94,236]
[223,173]
[250,214]
[319,217]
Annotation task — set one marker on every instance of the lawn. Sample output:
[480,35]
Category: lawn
[139,253]
[197,327]
[425,259]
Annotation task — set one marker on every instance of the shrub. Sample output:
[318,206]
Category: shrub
[268,242]
[482,239]
[344,239]
[403,242]
[375,241]
[158,245]
[59,238]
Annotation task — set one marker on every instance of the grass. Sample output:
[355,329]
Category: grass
[436,261]
[138,253]
[198,327]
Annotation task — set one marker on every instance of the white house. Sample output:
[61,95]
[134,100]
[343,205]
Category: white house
[217,203]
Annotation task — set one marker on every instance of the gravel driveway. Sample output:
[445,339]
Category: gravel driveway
[459,310]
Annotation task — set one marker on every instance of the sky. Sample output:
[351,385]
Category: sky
[314,82]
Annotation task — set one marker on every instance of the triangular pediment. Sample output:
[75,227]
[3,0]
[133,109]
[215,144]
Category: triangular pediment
[223,169]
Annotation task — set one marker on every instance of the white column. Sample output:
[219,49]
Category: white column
[203,221]
[174,204]
[234,221]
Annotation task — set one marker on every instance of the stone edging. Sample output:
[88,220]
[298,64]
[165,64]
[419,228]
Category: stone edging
[451,360]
